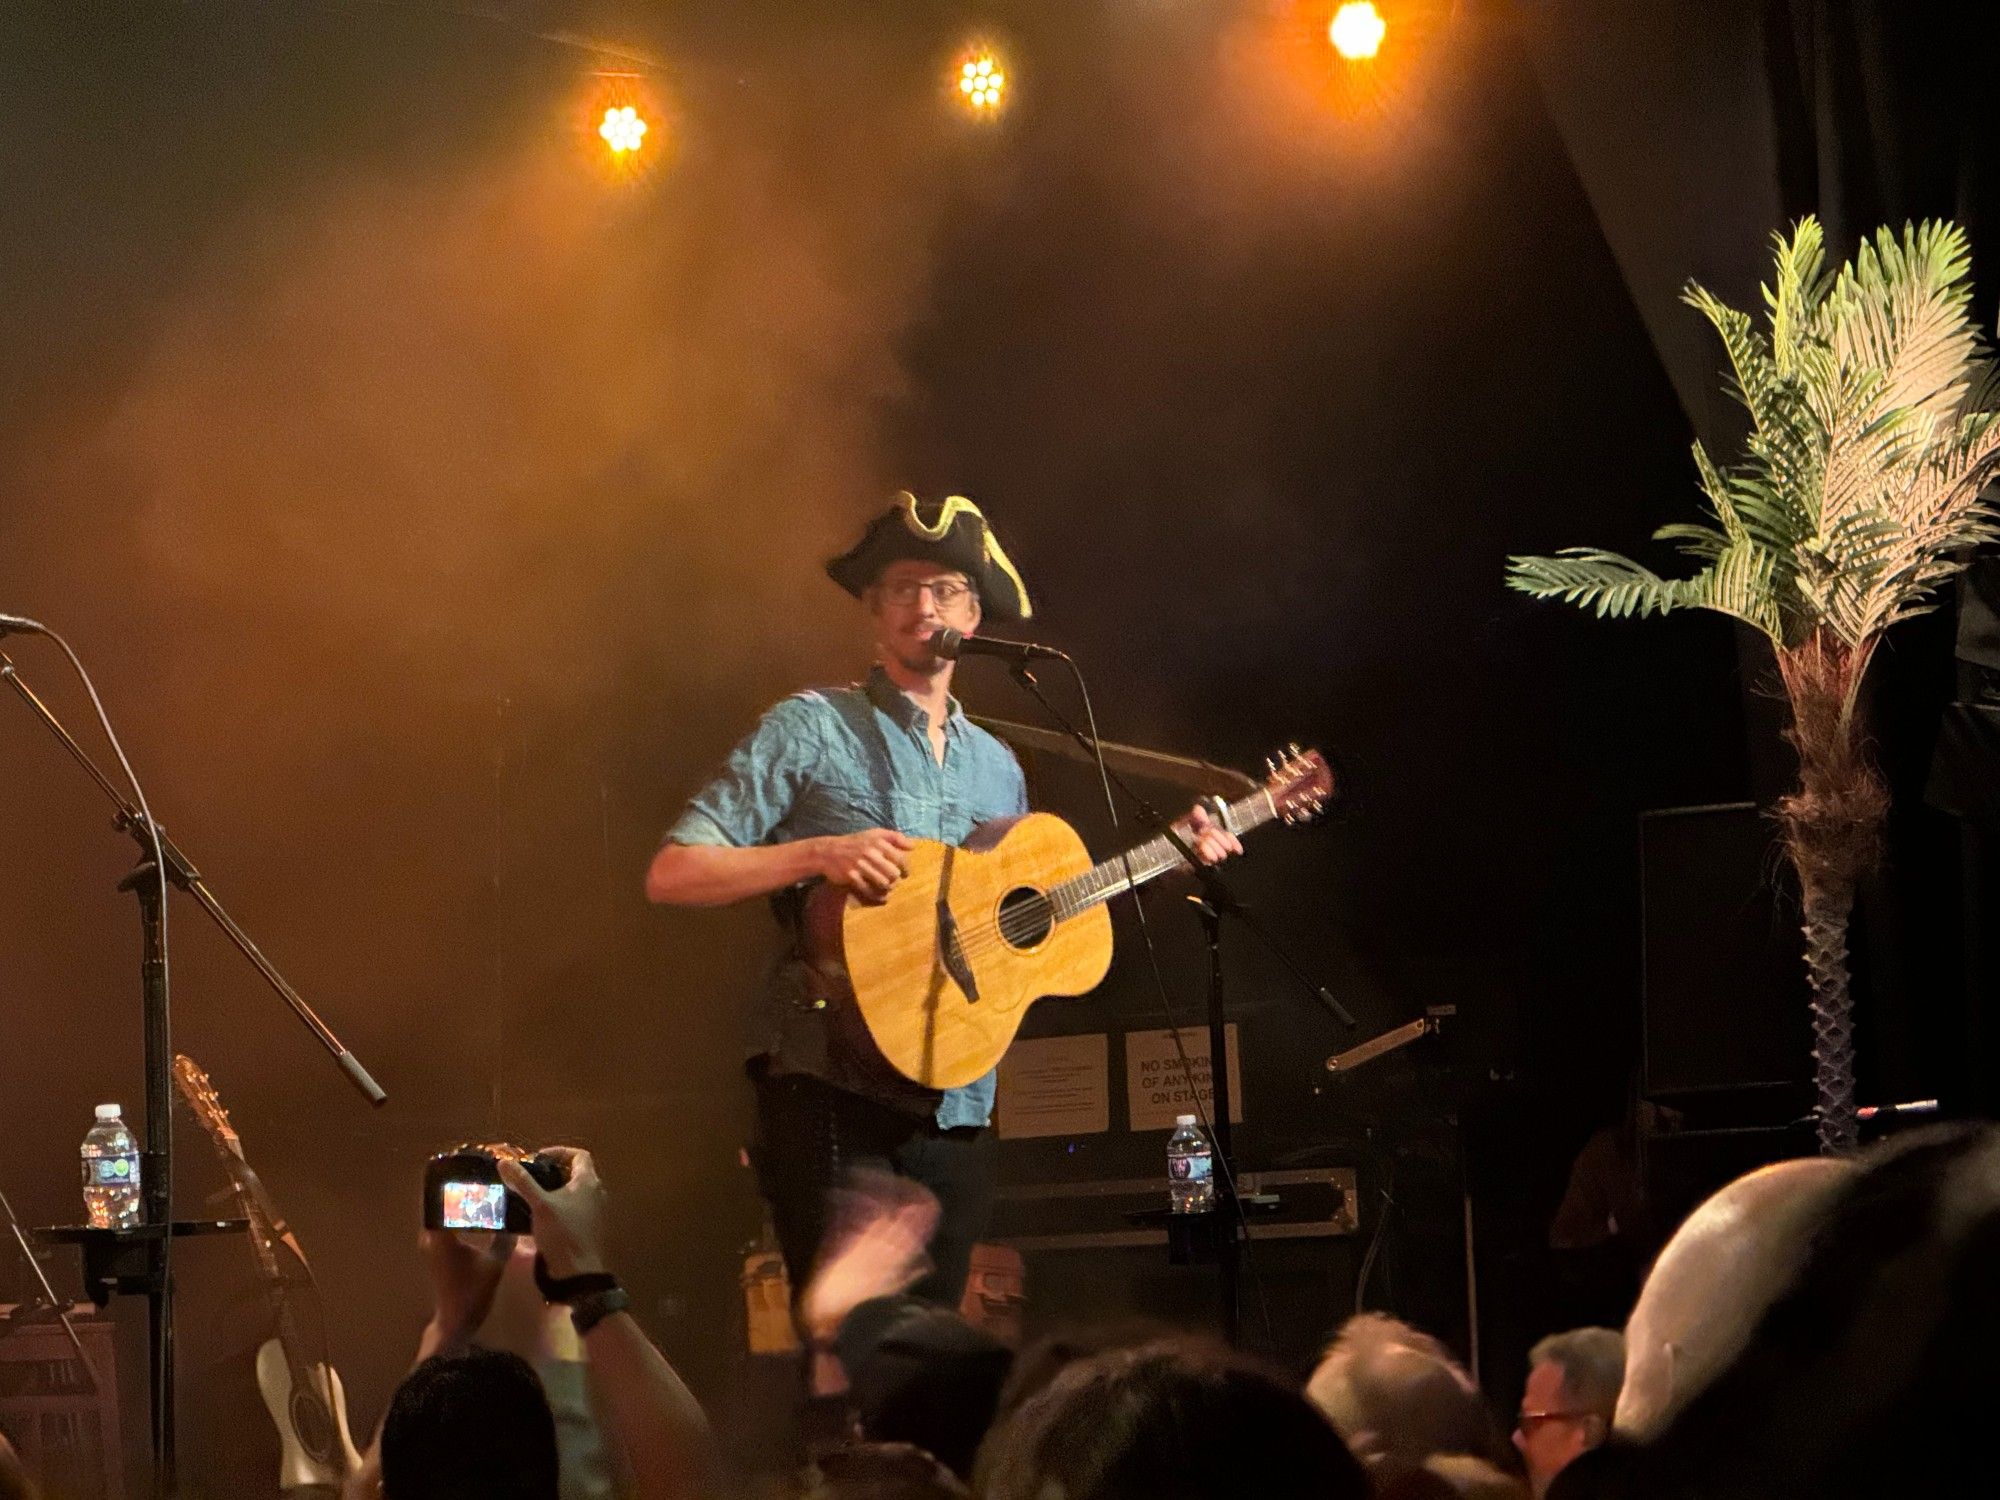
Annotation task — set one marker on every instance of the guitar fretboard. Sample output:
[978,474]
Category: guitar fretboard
[1153,858]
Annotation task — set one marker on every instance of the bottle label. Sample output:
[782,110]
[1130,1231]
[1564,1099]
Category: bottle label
[1191,1168]
[113,1171]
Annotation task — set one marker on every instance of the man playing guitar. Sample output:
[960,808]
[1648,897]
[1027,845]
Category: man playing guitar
[834,785]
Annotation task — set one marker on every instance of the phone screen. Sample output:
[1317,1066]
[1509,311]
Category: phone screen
[475,1205]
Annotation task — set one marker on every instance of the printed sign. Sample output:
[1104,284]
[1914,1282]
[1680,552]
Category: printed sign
[1156,1085]
[1055,1085]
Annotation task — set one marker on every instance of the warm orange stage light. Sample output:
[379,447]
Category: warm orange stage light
[980,83]
[1357,30]
[623,130]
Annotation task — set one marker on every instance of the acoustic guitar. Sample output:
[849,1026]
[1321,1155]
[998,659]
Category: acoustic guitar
[943,971]
[301,1389]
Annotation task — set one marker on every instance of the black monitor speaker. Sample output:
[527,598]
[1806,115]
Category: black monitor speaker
[1724,987]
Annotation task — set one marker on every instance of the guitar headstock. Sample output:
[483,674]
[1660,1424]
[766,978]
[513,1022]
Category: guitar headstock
[206,1104]
[1300,784]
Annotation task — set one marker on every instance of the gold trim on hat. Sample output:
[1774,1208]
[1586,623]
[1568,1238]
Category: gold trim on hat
[954,507]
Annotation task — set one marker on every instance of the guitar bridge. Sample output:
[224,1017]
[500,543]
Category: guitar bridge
[951,953]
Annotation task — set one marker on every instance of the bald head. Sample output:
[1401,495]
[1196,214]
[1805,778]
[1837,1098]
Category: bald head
[1865,1371]
[1712,1283]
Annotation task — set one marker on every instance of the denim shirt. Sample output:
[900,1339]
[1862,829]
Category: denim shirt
[835,761]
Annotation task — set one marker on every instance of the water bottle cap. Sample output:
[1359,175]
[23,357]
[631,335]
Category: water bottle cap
[1184,1119]
[110,1111]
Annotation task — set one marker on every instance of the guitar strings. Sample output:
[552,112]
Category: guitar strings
[1037,917]
[1020,925]
[1016,928]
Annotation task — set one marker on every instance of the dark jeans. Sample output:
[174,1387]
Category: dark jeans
[811,1136]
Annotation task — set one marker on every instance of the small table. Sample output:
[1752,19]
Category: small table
[120,1260]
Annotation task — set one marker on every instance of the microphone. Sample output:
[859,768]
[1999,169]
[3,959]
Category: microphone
[21,625]
[953,644]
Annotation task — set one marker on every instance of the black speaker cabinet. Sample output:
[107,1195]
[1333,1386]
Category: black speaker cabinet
[1724,987]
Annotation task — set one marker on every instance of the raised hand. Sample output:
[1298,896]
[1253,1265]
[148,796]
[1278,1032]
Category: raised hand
[882,1226]
[569,1222]
[465,1272]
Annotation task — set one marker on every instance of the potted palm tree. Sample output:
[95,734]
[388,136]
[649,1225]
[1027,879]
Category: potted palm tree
[1873,430]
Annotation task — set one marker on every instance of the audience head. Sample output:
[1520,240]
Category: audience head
[1713,1281]
[1863,1371]
[922,1374]
[1571,1397]
[1396,1395]
[473,1426]
[1448,1476]
[1047,1357]
[1176,1420]
[880,1471]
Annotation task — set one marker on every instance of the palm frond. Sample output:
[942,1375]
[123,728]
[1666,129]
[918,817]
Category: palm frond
[1738,583]
[1875,420]
[1899,311]
[1695,540]
[1797,288]
[1614,586]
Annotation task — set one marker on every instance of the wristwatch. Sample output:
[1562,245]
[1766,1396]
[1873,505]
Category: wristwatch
[591,1297]
[569,1288]
[589,1309]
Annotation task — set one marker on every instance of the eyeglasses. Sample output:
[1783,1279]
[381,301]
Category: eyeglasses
[946,591]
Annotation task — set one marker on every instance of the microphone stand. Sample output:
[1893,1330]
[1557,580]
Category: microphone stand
[1215,902]
[102,1247]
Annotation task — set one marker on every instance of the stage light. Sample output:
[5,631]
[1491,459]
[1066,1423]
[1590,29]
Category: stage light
[980,83]
[623,129]
[1357,30]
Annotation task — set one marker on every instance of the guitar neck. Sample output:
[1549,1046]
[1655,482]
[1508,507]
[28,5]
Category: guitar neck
[1151,859]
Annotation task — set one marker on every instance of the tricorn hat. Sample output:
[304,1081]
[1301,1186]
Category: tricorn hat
[959,537]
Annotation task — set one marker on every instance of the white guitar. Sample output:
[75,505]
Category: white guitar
[301,1388]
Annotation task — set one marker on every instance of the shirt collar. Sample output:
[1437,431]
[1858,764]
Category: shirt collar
[898,705]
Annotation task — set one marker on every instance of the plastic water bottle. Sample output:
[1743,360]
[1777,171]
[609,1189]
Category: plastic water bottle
[1190,1168]
[111,1172]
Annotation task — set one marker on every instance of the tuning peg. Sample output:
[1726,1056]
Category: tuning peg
[1293,750]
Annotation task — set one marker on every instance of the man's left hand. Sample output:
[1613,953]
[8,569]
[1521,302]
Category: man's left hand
[569,1222]
[1211,842]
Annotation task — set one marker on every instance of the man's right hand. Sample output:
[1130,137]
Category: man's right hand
[866,863]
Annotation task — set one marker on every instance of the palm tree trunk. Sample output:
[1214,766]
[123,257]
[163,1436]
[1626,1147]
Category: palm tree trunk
[1826,914]
[1833,832]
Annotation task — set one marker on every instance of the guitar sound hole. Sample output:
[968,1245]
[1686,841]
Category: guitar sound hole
[1026,918]
[313,1425]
